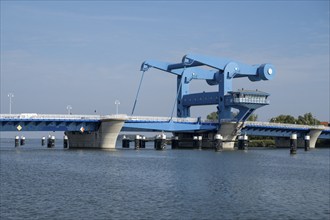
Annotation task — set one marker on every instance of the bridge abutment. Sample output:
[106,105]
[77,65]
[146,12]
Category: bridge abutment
[314,133]
[229,133]
[104,138]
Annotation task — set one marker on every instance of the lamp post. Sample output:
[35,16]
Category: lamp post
[10,95]
[69,107]
[117,103]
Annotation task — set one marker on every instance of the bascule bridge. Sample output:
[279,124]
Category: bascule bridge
[101,131]
[218,72]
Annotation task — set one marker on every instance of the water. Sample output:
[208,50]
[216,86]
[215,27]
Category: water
[41,183]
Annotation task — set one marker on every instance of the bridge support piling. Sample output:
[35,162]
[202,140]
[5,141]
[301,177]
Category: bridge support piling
[125,142]
[293,144]
[143,142]
[51,142]
[218,142]
[16,141]
[48,141]
[160,142]
[43,141]
[22,140]
[243,142]
[175,142]
[307,143]
[198,142]
[65,141]
[137,142]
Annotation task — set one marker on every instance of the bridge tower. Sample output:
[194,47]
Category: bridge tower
[218,72]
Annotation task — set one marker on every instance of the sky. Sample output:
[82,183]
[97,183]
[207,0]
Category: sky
[87,54]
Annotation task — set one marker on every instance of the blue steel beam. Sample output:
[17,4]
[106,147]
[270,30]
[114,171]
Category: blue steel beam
[234,69]
[169,126]
[255,130]
[48,125]
[281,131]
[142,125]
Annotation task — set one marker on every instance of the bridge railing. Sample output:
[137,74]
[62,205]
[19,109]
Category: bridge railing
[48,116]
[271,124]
[162,119]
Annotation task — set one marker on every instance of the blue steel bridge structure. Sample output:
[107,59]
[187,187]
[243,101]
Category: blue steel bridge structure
[217,72]
[91,123]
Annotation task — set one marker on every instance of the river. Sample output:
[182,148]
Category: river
[41,183]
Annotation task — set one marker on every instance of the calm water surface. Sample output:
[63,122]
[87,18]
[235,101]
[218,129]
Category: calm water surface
[41,183]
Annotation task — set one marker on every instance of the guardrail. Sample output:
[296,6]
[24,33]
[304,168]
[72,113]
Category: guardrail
[49,116]
[271,124]
[147,118]
[161,119]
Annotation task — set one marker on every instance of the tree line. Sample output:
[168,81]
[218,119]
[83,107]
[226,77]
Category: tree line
[305,119]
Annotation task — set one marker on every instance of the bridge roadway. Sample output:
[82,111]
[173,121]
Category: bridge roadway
[90,123]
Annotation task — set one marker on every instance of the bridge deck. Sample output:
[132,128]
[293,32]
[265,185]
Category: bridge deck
[60,122]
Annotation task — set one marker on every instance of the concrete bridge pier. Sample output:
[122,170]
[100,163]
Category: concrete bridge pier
[229,132]
[314,133]
[104,138]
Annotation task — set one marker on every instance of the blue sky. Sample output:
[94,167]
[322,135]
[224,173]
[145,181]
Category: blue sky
[87,54]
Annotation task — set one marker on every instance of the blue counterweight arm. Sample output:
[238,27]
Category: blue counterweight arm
[177,69]
[233,69]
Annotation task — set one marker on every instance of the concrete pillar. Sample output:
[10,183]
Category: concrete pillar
[16,141]
[65,142]
[228,131]
[143,142]
[243,142]
[314,133]
[293,144]
[175,142]
[137,142]
[108,132]
[218,142]
[198,142]
[160,142]
[125,142]
[22,140]
[307,143]
[104,138]
[43,141]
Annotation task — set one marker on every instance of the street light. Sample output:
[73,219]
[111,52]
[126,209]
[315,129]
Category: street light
[117,103]
[10,95]
[69,109]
